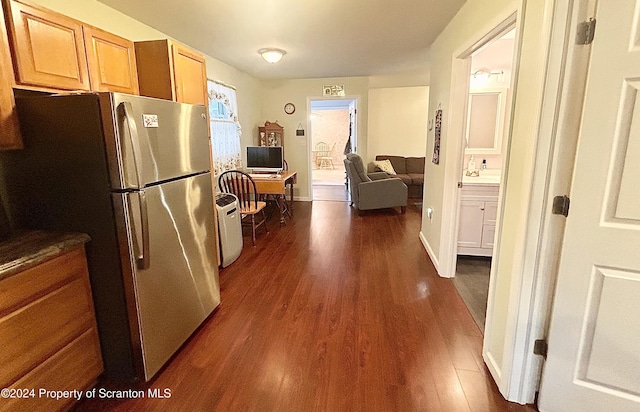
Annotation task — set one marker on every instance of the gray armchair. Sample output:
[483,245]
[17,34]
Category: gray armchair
[373,190]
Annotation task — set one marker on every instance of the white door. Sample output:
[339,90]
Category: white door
[593,362]
[353,126]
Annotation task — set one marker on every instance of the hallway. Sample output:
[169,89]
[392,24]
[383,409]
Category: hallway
[332,312]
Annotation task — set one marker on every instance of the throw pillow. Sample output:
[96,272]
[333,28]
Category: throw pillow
[384,166]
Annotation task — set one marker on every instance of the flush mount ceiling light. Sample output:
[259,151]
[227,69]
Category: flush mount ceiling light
[271,55]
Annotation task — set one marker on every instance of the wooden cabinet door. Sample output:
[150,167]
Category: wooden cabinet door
[9,131]
[111,60]
[189,74]
[48,49]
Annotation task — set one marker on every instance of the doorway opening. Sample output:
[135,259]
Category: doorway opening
[486,132]
[332,136]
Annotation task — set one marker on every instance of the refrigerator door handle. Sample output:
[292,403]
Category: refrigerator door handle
[134,139]
[143,258]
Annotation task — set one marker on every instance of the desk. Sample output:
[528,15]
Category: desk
[276,185]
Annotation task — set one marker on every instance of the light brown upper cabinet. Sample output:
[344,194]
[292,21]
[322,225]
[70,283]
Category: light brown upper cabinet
[48,48]
[190,75]
[112,61]
[55,52]
[9,131]
[171,71]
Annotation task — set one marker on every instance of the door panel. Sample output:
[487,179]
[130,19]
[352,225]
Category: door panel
[470,225]
[190,75]
[488,236]
[593,362]
[490,213]
[180,287]
[49,49]
[9,130]
[112,61]
[611,312]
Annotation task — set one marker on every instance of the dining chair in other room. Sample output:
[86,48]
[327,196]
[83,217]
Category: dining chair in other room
[243,186]
[321,150]
[326,158]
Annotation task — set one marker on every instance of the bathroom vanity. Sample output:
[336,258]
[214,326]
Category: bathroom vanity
[478,213]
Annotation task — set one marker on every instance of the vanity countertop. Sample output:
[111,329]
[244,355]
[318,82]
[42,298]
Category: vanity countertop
[486,177]
[26,249]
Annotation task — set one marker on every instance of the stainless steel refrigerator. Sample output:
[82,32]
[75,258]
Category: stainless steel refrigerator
[133,173]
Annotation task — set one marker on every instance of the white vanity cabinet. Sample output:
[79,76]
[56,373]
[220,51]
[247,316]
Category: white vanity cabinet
[477,224]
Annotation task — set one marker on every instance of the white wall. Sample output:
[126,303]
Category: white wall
[249,89]
[297,91]
[398,121]
[475,19]
[258,100]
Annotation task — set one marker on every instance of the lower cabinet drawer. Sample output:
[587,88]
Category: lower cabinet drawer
[74,367]
[31,334]
[48,333]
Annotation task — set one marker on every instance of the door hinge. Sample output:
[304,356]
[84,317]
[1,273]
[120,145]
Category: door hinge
[586,31]
[540,347]
[561,205]
[459,185]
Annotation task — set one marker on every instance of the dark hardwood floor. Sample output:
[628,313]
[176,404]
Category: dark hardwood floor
[332,312]
[337,193]
[472,283]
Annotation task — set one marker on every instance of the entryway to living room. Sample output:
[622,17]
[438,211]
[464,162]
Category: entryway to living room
[333,135]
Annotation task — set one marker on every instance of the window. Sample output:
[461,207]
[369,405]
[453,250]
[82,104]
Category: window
[225,127]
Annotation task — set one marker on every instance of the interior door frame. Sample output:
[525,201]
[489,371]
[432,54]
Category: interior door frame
[516,369]
[461,67]
[352,98]
[564,67]
[559,129]
[461,70]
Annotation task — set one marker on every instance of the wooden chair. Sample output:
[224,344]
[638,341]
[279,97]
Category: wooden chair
[288,205]
[321,149]
[325,158]
[243,186]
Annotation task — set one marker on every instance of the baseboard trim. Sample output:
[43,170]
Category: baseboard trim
[430,252]
[493,367]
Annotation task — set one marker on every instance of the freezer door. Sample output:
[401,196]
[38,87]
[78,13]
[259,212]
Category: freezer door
[171,238]
[156,140]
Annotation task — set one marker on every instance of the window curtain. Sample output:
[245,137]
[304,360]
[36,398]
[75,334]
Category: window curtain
[225,127]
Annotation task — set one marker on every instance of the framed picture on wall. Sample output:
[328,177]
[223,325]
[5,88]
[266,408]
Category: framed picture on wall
[436,141]
[333,90]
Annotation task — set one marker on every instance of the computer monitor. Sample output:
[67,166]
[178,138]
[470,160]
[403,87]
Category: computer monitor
[265,158]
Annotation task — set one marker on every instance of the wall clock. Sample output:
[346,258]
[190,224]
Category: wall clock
[289,108]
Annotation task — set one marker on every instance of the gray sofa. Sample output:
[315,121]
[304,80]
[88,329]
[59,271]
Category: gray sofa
[373,190]
[409,169]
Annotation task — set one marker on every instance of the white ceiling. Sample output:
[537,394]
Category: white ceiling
[497,55]
[323,38]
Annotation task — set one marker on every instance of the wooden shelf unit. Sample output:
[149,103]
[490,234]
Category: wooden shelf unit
[271,134]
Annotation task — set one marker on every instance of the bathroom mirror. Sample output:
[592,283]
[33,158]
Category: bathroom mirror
[485,121]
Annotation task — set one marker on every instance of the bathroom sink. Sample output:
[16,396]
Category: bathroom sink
[486,176]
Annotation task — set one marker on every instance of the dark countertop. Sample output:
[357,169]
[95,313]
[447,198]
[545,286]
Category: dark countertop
[29,248]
